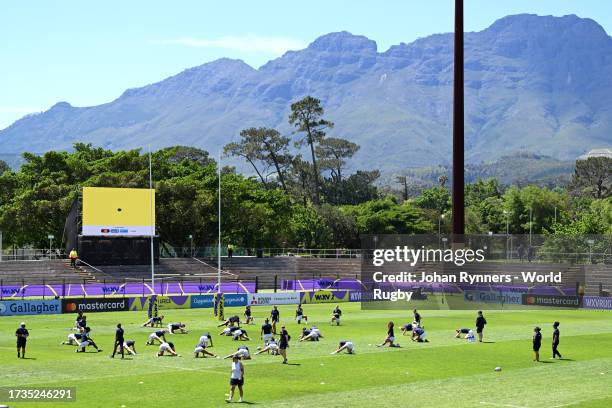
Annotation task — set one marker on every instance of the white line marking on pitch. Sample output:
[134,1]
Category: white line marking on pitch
[502,405]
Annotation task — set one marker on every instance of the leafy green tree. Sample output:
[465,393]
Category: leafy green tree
[307,116]
[385,216]
[435,198]
[4,166]
[593,177]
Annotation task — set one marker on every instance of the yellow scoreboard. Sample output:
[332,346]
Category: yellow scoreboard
[118,211]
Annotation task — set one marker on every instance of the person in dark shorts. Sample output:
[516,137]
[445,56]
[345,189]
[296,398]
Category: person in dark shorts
[555,340]
[248,317]
[390,339]
[236,379]
[283,344]
[86,340]
[275,318]
[119,340]
[417,318]
[480,324]
[336,314]
[537,343]
[159,335]
[22,337]
[299,315]
[81,321]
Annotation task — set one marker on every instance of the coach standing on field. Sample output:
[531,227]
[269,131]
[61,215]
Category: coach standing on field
[22,337]
[480,324]
[119,340]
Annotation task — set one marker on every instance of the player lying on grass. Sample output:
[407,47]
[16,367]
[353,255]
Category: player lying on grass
[271,348]
[345,345]
[167,347]
[336,314]
[204,343]
[173,328]
[229,331]
[242,353]
[240,334]
[299,315]
[159,335]
[312,334]
[86,340]
[459,332]
[419,335]
[407,329]
[248,316]
[233,320]
[390,339]
[130,346]
[74,338]
[155,321]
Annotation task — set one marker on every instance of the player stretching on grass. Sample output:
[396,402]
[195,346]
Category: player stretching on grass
[406,329]
[313,334]
[240,334]
[177,327]
[74,338]
[419,335]
[130,346]
[459,332]
[86,340]
[167,347]
[233,320]
[159,335]
[336,314]
[271,348]
[155,321]
[203,344]
[236,379]
[242,353]
[345,345]
[390,337]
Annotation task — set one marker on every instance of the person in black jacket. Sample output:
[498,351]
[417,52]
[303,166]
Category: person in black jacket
[480,324]
[555,340]
[537,343]
[22,337]
[284,344]
[119,340]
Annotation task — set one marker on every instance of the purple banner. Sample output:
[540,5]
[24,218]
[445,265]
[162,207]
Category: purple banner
[114,289]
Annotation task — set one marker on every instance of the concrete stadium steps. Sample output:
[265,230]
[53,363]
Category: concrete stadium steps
[34,272]
[179,267]
[596,274]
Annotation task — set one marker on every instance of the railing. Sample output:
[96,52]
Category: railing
[121,287]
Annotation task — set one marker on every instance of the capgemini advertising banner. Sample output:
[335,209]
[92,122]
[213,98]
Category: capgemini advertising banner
[235,299]
[325,296]
[30,307]
[201,301]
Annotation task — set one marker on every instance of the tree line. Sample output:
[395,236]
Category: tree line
[301,194]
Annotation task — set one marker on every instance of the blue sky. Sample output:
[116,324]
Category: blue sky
[88,53]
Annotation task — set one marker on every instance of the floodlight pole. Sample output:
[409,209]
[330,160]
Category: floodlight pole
[458,130]
[151,221]
[219,222]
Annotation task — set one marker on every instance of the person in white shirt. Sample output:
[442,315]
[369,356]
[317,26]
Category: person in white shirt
[236,379]
[203,344]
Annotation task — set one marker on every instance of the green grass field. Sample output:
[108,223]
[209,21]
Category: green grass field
[444,372]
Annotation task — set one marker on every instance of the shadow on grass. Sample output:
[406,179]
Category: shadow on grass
[293,364]
[29,358]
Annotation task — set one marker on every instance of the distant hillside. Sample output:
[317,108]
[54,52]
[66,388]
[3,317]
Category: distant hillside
[533,83]
[521,168]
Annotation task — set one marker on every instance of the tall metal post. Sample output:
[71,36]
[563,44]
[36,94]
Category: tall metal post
[458,130]
[152,209]
[219,221]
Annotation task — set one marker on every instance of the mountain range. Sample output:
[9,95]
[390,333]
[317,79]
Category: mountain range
[539,84]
